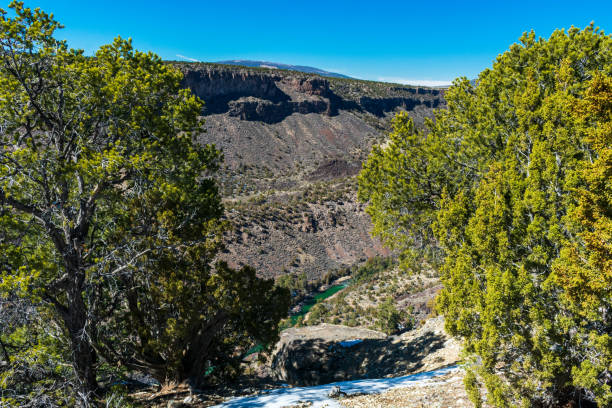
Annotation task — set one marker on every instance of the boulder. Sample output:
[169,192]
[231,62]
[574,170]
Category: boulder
[329,353]
[313,355]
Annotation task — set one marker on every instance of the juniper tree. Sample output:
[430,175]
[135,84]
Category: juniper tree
[584,267]
[511,184]
[109,211]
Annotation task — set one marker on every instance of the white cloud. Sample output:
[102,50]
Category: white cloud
[420,82]
[187,58]
[336,70]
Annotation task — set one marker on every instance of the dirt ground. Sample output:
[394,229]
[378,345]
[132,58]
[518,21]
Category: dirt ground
[423,349]
[441,392]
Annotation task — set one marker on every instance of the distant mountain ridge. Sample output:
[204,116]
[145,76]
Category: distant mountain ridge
[276,65]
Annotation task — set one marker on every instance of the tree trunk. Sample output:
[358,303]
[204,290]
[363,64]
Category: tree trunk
[84,357]
[84,361]
[193,364]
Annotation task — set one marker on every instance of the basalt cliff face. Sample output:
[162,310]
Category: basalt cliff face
[293,143]
[270,97]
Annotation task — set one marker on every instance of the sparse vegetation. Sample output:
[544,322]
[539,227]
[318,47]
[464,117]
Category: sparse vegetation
[374,298]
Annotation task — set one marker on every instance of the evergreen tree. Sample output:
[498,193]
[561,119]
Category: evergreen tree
[390,320]
[110,215]
[584,268]
[508,185]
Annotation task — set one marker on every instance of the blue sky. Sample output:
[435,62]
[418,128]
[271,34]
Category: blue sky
[429,42]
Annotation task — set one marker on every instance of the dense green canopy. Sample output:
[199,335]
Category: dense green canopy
[511,189]
[109,223]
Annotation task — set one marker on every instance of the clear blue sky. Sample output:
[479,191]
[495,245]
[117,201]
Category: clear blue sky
[379,40]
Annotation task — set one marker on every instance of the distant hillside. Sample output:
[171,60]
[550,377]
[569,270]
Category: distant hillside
[276,65]
[293,143]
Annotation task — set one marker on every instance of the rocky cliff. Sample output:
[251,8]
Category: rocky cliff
[271,95]
[293,143]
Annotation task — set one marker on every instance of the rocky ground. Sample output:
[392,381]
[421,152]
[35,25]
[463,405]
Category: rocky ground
[357,305]
[328,353]
[441,392]
[309,231]
[335,394]
[444,391]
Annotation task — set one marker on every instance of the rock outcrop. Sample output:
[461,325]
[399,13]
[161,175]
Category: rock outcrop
[256,96]
[329,353]
[313,355]
[270,96]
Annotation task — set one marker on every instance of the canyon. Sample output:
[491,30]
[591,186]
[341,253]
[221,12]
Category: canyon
[293,143]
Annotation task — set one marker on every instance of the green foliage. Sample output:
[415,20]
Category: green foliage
[370,269]
[472,388]
[110,217]
[315,313]
[391,320]
[33,371]
[511,186]
[293,281]
[191,318]
[584,268]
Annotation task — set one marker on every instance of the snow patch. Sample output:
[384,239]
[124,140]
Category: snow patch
[318,394]
[350,343]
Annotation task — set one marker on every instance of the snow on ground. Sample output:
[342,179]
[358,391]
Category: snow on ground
[350,343]
[318,394]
